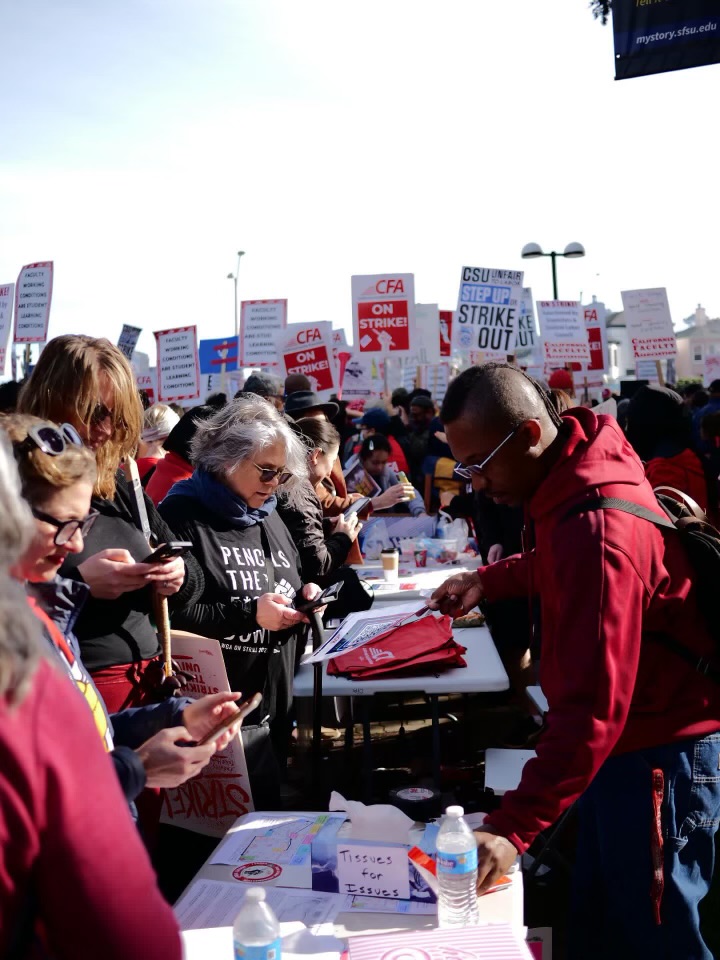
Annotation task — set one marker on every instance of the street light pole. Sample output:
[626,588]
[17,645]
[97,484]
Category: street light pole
[234,278]
[572,250]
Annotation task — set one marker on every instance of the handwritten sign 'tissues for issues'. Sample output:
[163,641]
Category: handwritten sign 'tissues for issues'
[373,870]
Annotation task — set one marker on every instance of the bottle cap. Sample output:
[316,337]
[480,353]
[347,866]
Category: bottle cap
[455,812]
[255,893]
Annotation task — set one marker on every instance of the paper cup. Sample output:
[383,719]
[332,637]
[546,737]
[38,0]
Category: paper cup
[390,560]
[421,558]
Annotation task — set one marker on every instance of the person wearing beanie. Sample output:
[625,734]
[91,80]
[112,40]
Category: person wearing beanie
[659,428]
[175,465]
[158,421]
[263,385]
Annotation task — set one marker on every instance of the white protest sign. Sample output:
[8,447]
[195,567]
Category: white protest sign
[435,378]
[526,337]
[563,331]
[647,370]
[358,381]
[384,314]
[427,333]
[594,317]
[711,372]
[6,305]
[487,312]
[649,324]
[307,349]
[261,323]
[147,380]
[339,339]
[177,364]
[128,339]
[33,296]
[213,800]
[373,870]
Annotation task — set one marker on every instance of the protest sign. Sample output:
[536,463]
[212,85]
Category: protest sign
[649,324]
[526,337]
[373,870]
[384,313]
[563,331]
[307,349]
[218,356]
[446,320]
[213,800]
[33,296]
[358,382]
[261,326]
[712,369]
[427,333]
[6,305]
[177,364]
[128,339]
[487,312]
[648,370]
[147,380]
[594,317]
[435,378]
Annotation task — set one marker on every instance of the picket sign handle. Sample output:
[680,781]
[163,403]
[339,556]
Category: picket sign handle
[661,378]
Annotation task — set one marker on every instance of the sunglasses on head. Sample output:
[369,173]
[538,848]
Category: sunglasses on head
[66,529]
[268,474]
[49,439]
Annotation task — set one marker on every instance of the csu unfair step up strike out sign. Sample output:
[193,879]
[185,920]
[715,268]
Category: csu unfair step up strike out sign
[384,313]
[486,320]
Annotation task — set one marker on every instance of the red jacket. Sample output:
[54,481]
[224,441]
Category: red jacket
[604,578]
[684,472]
[170,469]
[67,839]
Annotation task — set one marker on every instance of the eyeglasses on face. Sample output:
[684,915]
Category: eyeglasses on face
[268,474]
[66,529]
[467,472]
[50,439]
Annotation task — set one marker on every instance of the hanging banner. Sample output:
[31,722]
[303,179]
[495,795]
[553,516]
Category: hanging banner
[218,356]
[177,364]
[655,37]
[487,312]
[307,349]
[384,313]
[7,291]
[649,324]
[129,337]
[446,319]
[563,332]
[262,323]
[33,296]
[212,801]
[526,336]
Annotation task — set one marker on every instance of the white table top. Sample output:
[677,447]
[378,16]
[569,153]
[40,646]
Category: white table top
[484,674]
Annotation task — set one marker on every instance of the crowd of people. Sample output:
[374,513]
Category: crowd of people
[255,484]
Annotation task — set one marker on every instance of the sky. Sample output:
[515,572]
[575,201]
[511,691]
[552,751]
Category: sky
[144,143]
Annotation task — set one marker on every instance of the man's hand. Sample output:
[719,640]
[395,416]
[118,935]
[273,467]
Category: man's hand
[495,857]
[458,595]
[168,763]
[202,716]
[495,553]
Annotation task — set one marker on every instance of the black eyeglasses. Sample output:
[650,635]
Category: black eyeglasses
[49,439]
[66,529]
[467,472]
[268,474]
[100,413]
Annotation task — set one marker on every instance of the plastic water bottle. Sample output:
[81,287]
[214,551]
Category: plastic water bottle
[256,931]
[456,871]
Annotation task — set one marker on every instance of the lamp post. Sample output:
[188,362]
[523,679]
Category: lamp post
[532,250]
[234,278]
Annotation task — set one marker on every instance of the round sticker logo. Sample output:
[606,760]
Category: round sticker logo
[257,872]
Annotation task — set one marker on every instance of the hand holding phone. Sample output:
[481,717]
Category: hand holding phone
[244,708]
[327,596]
[168,551]
[356,507]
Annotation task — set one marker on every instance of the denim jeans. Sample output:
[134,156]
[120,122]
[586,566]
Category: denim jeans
[636,889]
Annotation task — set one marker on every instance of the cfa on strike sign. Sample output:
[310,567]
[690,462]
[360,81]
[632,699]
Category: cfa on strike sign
[308,350]
[384,313]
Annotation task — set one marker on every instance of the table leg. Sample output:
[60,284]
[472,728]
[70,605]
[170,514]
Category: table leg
[435,714]
[367,750]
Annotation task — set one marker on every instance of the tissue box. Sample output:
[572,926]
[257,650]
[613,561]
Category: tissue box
[341,864]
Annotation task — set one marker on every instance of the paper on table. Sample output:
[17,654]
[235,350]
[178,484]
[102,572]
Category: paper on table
[360,628]
[281,839]
[215,903]
[378,905]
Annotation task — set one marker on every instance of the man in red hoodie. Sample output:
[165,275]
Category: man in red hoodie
[632,729]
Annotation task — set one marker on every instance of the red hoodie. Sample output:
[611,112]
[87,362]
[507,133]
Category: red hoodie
[604,579]
[684,472]
[171,469]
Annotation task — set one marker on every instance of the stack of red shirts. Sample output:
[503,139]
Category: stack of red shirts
[425,646]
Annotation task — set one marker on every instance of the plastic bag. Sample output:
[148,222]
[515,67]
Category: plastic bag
[375,539]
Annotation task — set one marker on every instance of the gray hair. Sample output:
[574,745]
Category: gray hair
[239,431]
[20,635]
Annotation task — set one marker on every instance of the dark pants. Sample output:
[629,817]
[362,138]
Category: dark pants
[646,853]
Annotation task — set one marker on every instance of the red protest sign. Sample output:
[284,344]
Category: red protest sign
[384,325]
[446,317]
[313,362]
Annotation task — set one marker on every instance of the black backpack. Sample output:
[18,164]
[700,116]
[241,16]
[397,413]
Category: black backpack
[702,544]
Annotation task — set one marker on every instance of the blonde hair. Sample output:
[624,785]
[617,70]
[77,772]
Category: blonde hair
[41,474]
[66,385]
[20,637]
[158,421]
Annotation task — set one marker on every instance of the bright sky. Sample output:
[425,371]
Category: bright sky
[145,142]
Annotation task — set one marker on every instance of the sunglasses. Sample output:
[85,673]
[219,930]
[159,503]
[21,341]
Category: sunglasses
[66,529]
[50,440]
[473,469]
[268,474]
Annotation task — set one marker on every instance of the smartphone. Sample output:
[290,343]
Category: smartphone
[167,551]
[327,596]
[356,507]
[244,708]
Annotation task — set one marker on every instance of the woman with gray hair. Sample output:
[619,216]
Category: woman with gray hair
[250,564]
